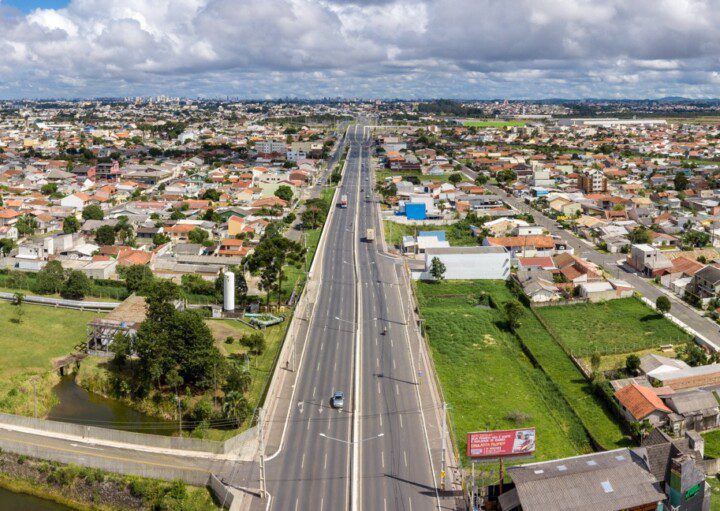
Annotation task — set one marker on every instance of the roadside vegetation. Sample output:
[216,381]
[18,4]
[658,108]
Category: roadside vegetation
[492,123]
[486,377]
[497,361]
[617,326]
[31,338]
[92,489]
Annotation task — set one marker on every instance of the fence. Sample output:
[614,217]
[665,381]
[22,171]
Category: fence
[559,303]
[61,302]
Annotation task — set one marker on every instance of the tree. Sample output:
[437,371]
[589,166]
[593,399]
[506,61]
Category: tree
[506,176]
[237,379]
[160,239]
[481,179]
[171,339]
[50,279]
[6,246]
[211,194]
[271,255]
[284,192]
[255,343]
[455,178]
[632,363]
[26,225]
[680,181]
[71,224]
[662,304]
[77,286]
[639,235]
[48,189]
[315,213]
[92,212]
[437,269]
[694,355]
[137,277]
[198,235]
[19,299]
[513,312]
[105,235]
[236,407]
[695,238]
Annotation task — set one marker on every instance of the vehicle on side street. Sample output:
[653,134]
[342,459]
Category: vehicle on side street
[338,400]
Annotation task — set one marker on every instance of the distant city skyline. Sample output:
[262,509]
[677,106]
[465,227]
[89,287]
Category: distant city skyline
[483,49]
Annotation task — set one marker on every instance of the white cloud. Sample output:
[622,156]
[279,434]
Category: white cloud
[391,48]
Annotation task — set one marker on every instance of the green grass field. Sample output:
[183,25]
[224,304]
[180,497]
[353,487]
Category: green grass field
[28,348]
[260,367]
[486,378]
[595,414]
[492,124]
[394,233]
[617,326]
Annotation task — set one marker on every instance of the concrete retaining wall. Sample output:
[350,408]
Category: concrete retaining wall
[127,437]
[61,302]
[222,493]
[196,477]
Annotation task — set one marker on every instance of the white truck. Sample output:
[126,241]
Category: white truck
[343,201]
[370,235]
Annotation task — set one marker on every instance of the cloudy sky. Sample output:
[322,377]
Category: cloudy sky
[360,48]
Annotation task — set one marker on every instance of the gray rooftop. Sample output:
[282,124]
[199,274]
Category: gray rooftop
[465,250]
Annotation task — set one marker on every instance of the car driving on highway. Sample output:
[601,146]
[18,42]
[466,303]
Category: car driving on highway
[338,400]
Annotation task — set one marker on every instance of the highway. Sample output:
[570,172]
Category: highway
[380,450]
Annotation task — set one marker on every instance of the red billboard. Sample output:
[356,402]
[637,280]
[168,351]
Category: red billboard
[500,444]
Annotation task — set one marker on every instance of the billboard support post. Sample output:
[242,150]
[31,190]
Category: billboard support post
[502,475]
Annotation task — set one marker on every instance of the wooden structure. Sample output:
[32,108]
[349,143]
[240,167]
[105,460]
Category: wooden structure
[125,319]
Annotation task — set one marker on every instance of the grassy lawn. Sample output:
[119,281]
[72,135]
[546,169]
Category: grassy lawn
[594,413]
[712,444]
[492,124]
[617,326]
[29,347]
[486,378]
[617,361]
[455,234]
[381,174]
[714,483]
[261,367]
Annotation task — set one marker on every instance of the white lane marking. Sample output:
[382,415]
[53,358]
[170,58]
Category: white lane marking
[382,458]
[405,457]
[394,366]
[377,361]
[380,415]
[325,463]
[384,504]
[296,503]
[322,344]
[397,389]
[302,463]
[335,367]
[322,501]
[314,389]
[378,387]
[88,447]
[410,503]
[401,423]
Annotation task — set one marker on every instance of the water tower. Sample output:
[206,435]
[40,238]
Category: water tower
[229,291]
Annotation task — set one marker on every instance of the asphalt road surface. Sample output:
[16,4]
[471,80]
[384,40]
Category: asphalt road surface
[385,461]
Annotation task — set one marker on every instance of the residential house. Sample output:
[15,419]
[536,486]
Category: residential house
[640,403]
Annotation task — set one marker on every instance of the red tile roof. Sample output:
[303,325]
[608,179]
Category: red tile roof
[640,401]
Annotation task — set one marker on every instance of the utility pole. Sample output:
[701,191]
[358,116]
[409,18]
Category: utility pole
[261,420]
[444,447]
[177,398]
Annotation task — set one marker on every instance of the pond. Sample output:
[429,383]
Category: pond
[23,502]
[79,406]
